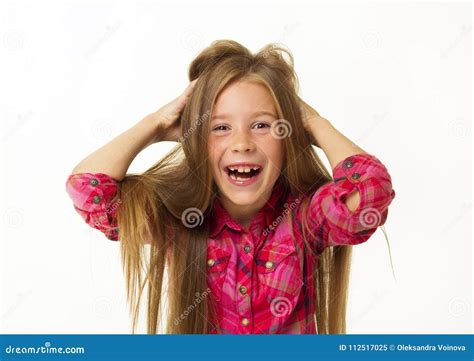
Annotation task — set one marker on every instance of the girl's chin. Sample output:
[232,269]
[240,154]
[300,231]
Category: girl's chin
[242,201]
[241,196]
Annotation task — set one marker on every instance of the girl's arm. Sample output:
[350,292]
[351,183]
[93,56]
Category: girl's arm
[329,217]
[115,157]
[94,183]
[349,209]
[335,145]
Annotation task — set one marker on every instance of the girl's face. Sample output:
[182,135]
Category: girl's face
[240,133]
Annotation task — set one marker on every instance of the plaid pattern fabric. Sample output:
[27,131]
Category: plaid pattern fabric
[94,197]
[261,278]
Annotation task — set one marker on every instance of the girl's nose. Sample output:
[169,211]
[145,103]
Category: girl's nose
[242,143]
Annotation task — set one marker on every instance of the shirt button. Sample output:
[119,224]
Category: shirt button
[211,262]
[247,249]
[245,321]
[268,264]
[355,175]
[96,199]
[348,163]
[243,290]
[94,182]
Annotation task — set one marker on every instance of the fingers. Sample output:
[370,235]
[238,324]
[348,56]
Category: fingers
[190,87]
[177,105]
[187,92]
[307,110]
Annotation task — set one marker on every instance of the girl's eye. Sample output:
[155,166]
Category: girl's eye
[219,126]
[265,125]
[259,125]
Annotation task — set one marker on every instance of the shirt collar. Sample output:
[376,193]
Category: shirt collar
[264,217]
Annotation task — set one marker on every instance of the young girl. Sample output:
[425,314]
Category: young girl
[255,234]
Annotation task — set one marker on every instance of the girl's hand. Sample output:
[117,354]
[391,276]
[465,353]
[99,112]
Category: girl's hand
[167,118]
[309,117]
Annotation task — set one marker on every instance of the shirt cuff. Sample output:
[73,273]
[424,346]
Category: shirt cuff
[330,216]
[94,197]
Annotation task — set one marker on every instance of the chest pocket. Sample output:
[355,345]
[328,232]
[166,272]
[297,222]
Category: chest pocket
[278,268]
[217,262]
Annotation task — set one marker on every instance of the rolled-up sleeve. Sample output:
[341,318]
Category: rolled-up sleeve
[94,196]
[329,218]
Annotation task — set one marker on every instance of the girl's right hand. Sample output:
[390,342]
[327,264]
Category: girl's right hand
[167,118]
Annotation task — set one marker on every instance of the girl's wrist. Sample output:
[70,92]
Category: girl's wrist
[153,119]
[152,124]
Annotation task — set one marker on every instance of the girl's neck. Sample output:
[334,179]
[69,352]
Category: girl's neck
[243,214]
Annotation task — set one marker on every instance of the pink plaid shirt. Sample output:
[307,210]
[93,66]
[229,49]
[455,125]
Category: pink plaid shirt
[260,278]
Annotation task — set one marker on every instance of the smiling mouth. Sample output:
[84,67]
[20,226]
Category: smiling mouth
[242,176]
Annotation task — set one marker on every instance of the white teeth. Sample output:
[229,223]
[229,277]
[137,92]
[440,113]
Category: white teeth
[243,169]
[235,175]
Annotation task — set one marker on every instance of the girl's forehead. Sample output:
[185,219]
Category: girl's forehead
[260,112]
[243,105]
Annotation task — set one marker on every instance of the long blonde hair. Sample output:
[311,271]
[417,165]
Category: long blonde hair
[153,203]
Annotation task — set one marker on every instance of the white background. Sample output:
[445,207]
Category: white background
[394,78]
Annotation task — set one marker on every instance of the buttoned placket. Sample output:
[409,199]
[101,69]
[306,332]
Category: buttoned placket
[244,286]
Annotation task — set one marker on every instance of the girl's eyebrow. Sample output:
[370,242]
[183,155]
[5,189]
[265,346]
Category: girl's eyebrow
[258,113]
